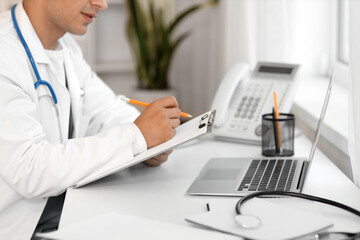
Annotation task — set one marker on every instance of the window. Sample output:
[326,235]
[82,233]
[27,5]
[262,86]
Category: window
[342,56]
[343,32]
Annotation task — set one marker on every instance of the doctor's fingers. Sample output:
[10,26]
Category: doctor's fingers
[152,162]
[173,112]
[174,123]
[158,160]
[167,102]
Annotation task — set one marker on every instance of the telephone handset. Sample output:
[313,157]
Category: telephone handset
[243,97]
[230,84]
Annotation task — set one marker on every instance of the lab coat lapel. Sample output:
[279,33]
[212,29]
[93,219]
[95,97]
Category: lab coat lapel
[74,89]
[63,104]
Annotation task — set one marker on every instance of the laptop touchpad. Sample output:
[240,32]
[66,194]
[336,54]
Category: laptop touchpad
[220,174]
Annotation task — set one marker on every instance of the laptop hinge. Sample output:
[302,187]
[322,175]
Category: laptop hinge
[303,174]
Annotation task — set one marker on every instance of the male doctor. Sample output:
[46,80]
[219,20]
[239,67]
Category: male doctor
[46,147]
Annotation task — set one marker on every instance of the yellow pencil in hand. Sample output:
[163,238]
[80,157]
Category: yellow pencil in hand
[146,104]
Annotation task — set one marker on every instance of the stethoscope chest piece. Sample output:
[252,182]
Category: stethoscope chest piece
[82,92]
[247,221]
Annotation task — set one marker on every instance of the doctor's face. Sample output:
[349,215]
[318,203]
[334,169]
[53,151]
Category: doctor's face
[73,16]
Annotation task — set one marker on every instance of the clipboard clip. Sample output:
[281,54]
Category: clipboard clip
[207,120]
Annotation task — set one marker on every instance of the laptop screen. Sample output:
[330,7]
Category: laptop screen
[320,122]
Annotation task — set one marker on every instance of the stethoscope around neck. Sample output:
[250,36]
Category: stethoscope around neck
[39,81]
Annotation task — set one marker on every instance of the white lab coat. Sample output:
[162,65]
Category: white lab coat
[33,163]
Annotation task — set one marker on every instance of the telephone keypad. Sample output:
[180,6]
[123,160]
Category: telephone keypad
[249,104]
[253,99]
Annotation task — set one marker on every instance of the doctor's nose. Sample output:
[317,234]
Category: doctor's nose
[99,4]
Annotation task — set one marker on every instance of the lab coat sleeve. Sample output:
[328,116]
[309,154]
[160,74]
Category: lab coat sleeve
[30,164]
[139,145]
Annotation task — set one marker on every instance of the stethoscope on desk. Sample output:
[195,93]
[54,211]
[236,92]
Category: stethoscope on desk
[253,222]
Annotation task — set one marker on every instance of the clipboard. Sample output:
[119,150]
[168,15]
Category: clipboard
[192,129]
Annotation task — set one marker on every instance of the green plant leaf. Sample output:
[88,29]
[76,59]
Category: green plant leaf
[138,33]
[151,41]
[166,61]
[188,11]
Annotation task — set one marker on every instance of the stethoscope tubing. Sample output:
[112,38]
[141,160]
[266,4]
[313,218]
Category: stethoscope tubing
[39,81]
[28,52]
[296,195]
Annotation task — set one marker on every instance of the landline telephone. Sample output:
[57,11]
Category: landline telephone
[243,97]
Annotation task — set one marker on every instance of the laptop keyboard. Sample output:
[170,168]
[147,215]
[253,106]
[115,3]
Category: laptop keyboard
[269,175]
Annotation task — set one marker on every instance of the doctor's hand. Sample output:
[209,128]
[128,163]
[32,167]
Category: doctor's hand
[158,121]
[158,160]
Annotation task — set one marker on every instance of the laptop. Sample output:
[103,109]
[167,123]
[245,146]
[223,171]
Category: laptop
[242,176]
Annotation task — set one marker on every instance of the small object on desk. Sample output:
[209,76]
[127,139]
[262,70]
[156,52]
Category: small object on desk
[269,137]
[208,207]
[147,104]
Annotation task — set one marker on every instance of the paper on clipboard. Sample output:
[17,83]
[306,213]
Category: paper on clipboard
[194,128]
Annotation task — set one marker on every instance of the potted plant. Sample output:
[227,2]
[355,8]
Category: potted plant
[152,40]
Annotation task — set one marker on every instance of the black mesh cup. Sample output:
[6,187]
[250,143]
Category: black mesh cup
[278,135]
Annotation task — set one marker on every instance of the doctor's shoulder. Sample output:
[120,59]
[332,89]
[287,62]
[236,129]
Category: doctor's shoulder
[13,60]
[8,35]
[6,24]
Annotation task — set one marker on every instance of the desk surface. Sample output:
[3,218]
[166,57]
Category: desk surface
[160,193]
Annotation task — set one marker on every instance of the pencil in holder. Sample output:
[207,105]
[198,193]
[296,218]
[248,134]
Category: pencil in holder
[278,134]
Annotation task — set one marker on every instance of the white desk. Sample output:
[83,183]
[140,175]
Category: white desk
[159,193]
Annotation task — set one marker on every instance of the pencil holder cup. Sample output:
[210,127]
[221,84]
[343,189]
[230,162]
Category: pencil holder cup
[278,135]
